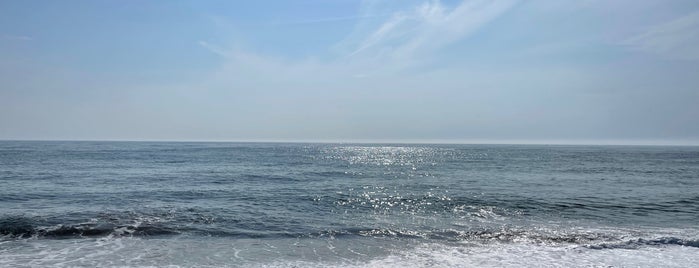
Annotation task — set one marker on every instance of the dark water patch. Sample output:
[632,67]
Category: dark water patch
[27,197]
[90,230]
[614,208]
[267,177]
[332,174]
[17,226]
[637,243]
[24,227]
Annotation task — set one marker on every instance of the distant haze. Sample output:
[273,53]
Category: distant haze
[608,72]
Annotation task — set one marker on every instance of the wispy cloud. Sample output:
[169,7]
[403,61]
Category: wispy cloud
[17,37]
[404,37]
[430,26]
[330,19]
[382,33]
[676,39]
[386,57]
[214,49]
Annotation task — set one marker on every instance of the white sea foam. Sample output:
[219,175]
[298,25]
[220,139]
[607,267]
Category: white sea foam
[528,255]
[221,252]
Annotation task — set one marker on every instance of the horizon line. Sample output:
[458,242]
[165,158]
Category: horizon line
[397,141]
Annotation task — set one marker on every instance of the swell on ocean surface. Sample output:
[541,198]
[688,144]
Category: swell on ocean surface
[86,204]
[19,228]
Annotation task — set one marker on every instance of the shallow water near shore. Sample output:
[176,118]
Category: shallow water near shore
[140,204]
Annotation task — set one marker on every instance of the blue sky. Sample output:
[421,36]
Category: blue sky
[312,70]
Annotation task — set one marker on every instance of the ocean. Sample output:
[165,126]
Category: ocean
[179,204]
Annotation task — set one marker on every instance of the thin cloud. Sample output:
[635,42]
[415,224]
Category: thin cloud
[400,42]
[381,33]
[387,51]
[329,19]
[17,37]
[214,49]
[676,39]
[430,26]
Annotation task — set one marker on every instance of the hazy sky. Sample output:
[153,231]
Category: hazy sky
[463,71]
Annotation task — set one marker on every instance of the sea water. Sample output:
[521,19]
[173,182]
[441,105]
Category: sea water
[162,204]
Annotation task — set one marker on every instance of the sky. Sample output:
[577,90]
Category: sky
[600,72]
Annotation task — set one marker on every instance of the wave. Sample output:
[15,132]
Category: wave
[23,227]
[640,242]
[20,227]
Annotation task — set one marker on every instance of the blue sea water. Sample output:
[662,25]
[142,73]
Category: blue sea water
[156,204]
